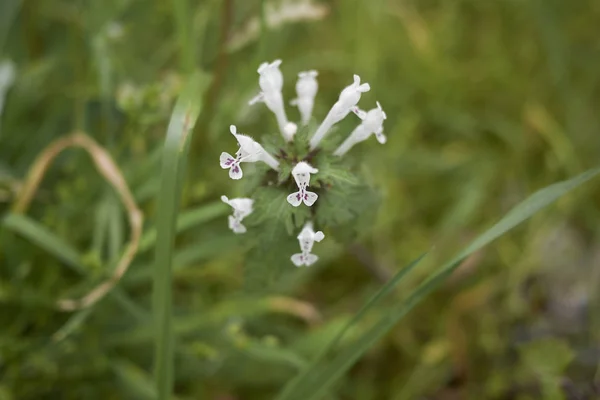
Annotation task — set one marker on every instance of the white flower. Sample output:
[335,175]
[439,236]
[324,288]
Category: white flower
[301,174]
[306,89]
[307,239]
[249,151]
[242,207]
[7,79]
[277,15]
[349,98]
[372,123]
[271,83]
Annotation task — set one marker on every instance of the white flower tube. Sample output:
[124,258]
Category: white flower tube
[271,83]
[349,98]
[249,151]
[307,239]
[372,123]
[301,174]
[242,207]
[306,90]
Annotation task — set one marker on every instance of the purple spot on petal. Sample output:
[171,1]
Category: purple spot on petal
[305,196]
[229,162]
[236,169]
[298,196]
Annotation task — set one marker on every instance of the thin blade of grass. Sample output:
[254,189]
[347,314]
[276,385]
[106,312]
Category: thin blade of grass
[73,323]
[374,301]
[314,384]
[44,239]
[56,246]
[174,159]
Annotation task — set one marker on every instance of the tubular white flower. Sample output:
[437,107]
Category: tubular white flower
[307,239]
[306,90]
[242,207]
[372,123]
[301,174]
[249,151]
[271,82]
[349,98]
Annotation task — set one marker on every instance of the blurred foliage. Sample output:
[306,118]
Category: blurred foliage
[487,101]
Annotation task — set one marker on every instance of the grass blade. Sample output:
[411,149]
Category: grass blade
[56,246]
[174,159]
[373,302]
[314,384]
[182,15]
[44,239]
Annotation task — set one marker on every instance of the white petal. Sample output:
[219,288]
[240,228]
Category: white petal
[310,198]
[294,199]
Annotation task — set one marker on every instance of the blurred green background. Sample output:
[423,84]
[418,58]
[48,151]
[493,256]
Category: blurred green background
[487,101]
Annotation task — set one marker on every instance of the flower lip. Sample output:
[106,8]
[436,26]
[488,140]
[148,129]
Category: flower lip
[303,167]
[307,239]
[301,174]
[351,94]
[308,74]
[242,207]
[250,150]
[271,78]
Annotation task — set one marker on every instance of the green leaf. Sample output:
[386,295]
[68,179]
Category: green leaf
[174,158]
[315,383]
[265,267]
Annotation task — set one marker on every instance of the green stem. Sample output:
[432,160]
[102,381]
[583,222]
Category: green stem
[182,12]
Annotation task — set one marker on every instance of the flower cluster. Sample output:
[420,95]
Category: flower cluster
[298,164]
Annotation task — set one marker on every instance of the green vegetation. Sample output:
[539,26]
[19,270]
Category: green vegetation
[461,259]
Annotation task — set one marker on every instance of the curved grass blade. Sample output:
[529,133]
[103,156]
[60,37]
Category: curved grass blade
[316,382]
[174,160]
